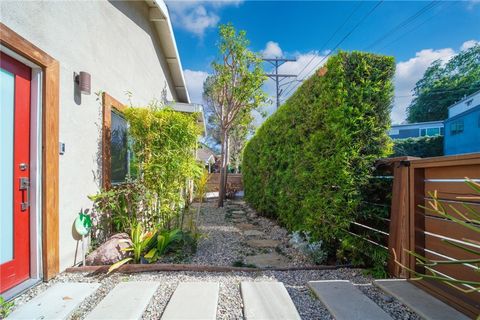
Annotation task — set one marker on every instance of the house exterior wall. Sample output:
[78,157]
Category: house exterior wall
[467,141]
[464,104]
[117,44]
[412,130]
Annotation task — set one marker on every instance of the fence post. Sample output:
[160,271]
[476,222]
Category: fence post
[399,232]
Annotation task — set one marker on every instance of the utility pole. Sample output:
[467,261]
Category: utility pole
[277,62]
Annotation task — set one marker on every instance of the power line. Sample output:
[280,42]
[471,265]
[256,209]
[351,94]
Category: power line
[343,39]
[403,24]
[329,39]
[415,27]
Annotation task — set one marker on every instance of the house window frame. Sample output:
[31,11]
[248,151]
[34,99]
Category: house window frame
[455,131]
[109,105]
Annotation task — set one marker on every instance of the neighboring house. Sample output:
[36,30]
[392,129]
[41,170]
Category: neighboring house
[59,141]
[207,157]
[462,128]
[415,130]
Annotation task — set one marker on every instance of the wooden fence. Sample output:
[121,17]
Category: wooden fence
[418,230]
[234,181]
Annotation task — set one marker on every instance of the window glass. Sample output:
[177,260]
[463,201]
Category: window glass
[456,127]
[423,132]
[433,131]
[119,149]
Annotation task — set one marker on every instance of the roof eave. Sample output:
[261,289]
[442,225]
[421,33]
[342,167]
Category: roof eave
[159,16]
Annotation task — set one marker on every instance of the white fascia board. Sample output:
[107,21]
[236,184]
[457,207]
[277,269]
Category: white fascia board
[191,108]
[161,18]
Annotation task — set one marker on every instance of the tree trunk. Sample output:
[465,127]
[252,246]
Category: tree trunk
[225,179]
[223,169]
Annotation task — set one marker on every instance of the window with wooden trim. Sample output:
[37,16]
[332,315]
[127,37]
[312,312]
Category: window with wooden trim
[115,145]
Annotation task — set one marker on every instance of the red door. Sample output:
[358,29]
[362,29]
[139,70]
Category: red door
[14,172]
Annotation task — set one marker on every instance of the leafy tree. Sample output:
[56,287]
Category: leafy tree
[233,90]
[238,138]
[444,84]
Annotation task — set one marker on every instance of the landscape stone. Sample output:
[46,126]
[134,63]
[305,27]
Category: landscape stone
[263,243]
[193,301]
[111,251]
[268,260]
[128,300]
[425,305]
[245,226]
[346,302]
[253,233]
[57,302]
[267,300]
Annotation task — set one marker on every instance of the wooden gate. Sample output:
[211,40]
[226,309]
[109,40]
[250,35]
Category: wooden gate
[420,230]
[446,177]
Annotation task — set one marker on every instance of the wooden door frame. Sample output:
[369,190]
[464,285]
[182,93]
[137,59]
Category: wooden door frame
[50,139]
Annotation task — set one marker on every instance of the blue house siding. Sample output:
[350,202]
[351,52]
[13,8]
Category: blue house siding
[415,130]
[406,133]
[466,141]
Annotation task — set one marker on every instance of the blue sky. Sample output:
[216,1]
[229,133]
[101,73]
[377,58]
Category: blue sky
[301,29]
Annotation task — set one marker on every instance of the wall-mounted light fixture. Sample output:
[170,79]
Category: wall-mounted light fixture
[83,81]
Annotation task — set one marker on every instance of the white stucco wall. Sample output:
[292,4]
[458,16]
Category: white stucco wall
[119,47]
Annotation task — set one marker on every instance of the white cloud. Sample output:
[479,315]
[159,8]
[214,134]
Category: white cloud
[195,81]
[469,44]
[272,50]
[197,16]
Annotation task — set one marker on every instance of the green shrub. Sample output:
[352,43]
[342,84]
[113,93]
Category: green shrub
[422,147]
[163,143]
[308,162]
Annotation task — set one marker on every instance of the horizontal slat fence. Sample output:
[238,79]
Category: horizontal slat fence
[415,228]
[445,177]
[234,180]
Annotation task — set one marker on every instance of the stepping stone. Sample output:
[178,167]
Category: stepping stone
[245,226]
[128,300]
[267,300]
[57,302]
[422,303]
[253,233]
[267,260]
[345,302]
[193,300]
[238,212]
[263,243]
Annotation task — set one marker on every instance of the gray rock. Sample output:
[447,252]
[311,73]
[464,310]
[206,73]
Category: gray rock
[111,251]
[263,243]
[267,260]
[253,233]
[245,226]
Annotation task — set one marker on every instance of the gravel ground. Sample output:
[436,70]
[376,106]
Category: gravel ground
[223,244]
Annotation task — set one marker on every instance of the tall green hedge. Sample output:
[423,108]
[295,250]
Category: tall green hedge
[308,161]
[422,147]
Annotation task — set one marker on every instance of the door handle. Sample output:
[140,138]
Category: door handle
[25,185]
